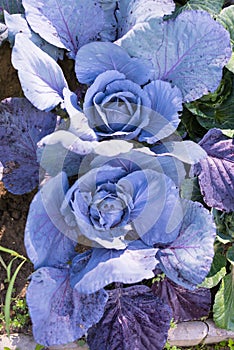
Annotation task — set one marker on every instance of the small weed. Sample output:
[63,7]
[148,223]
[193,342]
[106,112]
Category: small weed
[17,322]
[231,344]
[19,316]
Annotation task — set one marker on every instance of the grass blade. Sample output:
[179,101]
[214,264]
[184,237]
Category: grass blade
[8,297]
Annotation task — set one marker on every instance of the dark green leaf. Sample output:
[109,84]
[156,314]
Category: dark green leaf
[212,6]
[216,110]
[224,303]
[190,190]
[226,18]
[225,224]
[217,271]
[230,254]
[193,128]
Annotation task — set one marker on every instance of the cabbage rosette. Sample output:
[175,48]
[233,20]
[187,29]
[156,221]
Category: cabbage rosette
[127,215]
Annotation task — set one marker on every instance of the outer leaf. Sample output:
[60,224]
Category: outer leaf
[59,313]
[139,11]
[95,58]
[230,254]
[226,17]
[78,122]
[41,78]
[186,151]
[217,271]
[109,265]
[45,241]
[225,224]
[193,61]
[188,259]
[224,303]
[67,24]
[166,101]
[11,6]
[21,127]
[134,319]
[216,172]
[213,110]
[191,125]
[214,7]
[186,305]
[17,23]
[190,190]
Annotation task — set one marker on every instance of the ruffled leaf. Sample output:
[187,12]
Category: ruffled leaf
[186,305]
[59,313]
[216,172]
[144,159]
[166,101]
[223,306]
[69,24]
[47,237]
[17,23]
[106,266]
[188,259]
[139,11]
[150,190]
[193,61]
[41,78]
[133,319]
[96,58]
[21,127]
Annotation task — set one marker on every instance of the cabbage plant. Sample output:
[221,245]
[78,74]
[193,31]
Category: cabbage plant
[118,243]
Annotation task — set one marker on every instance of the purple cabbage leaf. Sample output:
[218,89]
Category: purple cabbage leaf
[188,259]
[133,319]
[186,305]
[193,62]
[97,57]
[71,24]
[17,23]
[59,313]
[132,12]
[21,127]
[106,266]
[41,78]
[216,172]
[48,240]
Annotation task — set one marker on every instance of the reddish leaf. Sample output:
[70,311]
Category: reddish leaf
[216,172]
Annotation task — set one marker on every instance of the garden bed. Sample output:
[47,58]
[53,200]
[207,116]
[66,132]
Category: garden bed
[170,252]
